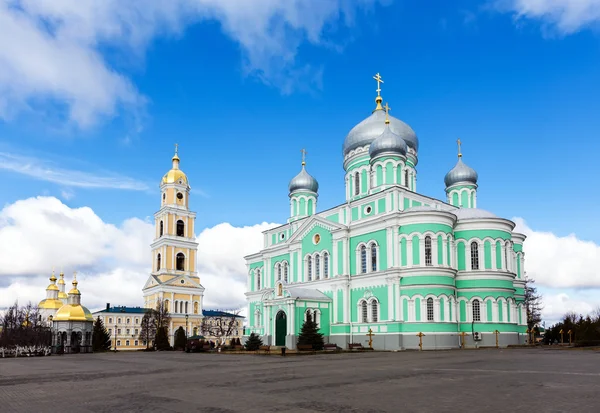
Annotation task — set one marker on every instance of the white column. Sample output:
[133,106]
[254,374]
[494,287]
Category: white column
[502,255]
[333,264]
[399,309]
[346,296]
[346,256]
[409,254]
[421,251]
[411,310]
[434,251]
[483,310]
[445,251]
[447,311]
[390,250]
[495,311]
[335,305]
[493,251]
[390,286]
[468,257]
[436,310]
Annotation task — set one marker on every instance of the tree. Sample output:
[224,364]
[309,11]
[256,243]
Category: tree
[533,304]
[309,334]
[254,342]
[24,327]
[148,327]
[161,342]
[221,326]
[101,340]
[180,339]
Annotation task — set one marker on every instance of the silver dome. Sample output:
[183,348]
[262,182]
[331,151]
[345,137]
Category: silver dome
[303,181]
[460,173]
[369,129]
[387,142]
[473,213]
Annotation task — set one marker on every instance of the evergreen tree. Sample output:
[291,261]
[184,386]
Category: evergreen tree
[309,334]
[180,339]
[254,342]
[101,340]
[161,341]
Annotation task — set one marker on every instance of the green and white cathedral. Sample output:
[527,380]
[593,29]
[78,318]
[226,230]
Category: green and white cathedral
[389,259]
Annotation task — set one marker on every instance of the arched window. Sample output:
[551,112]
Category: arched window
[167,306]
[506,255]
[430,309]
[186,307]
[180,262]
[363,259]
[406,178]
[158,262]
[180,228]
[258,279]
[161,229]
[428,258]
[317,267]
[325,265]
[195,330]
[257,318]
[278,272]
[195,310]
[285,272]
[374,315]
[357,183]
[476,311]
[373,257]
[474,255]
[364,311]
[309,268]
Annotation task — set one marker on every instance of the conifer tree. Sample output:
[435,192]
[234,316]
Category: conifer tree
[309,334]
[180,339]
[161,342]
[254,342]
[101,340]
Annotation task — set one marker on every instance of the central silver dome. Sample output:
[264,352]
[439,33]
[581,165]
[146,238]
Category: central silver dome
[303,181]
[387,143]
[369,129]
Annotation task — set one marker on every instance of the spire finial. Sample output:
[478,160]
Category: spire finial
[378,99]
[75,279]
[176,148]
[387,111]
[303,156]
[459,152]
[175,158]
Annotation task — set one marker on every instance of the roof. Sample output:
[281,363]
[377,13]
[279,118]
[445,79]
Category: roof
[299,292]
[217,313]
[123,309]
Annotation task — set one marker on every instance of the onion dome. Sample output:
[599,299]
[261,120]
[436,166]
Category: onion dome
[388,142]
[175,174]
[61,282]
[73,311]
[51,302]
[460,173]
[303,182]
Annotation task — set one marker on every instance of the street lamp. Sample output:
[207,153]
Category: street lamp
[115,338]
[186,322]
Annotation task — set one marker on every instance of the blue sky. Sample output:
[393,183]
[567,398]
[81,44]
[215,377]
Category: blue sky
[518,84]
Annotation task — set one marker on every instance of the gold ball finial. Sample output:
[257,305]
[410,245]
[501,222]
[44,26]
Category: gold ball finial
[75,279]
[387,111]
[304,152]
[378,99]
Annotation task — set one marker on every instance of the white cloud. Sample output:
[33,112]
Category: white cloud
[50,50]
[559,302]
[113,262]
[47,171]
[567,16]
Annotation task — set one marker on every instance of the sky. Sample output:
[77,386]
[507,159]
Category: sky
[94,96]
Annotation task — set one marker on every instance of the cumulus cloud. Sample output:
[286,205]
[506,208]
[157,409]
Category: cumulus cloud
[51,51]
[113,262]
[567,16]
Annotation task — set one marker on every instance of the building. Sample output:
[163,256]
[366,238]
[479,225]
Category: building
[174,278]
[221,327]
[389,260]
[123,325]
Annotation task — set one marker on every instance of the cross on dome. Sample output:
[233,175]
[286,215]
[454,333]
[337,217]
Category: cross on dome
[304,152]
[378,99]
[458,142]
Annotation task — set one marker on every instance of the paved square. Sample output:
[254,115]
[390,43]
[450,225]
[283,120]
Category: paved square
[453,381]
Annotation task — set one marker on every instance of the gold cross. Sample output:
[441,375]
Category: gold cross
[303,156]
[387,110]
[370,334]
[459,142]
[176,148]
[379,80]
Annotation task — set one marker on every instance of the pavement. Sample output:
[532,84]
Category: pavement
[478,381]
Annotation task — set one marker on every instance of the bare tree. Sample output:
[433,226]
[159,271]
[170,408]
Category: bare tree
[23,330]
[533,304]
[221,326]
[162,317]
[148,327]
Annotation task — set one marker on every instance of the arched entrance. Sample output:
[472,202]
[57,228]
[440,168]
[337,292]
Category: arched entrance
[280,328]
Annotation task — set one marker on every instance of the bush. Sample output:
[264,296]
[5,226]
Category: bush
[587,343]
[254,342]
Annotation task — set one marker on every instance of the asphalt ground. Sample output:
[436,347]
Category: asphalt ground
[479,381]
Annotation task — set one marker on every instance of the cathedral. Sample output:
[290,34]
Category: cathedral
[389,264]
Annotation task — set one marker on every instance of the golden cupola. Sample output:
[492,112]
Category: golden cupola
[73,310]
[62,295]
[51,302]
[175,175]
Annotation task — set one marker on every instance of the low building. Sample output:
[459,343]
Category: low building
[221,327]
[123,325]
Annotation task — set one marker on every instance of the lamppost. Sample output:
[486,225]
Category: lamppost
[186,322]
[115,337]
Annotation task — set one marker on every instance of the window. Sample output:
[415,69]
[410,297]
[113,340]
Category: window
[357,184]
[476,311]
[119,331]
[309,267]
[110,331]
[428,260]
[285,272]
[406,178]
[196,308]
[363,259]
[374,314]
[258,279]
[118,342]
[161,229]
[136,333]
[474,256]
[506,256]
[278,272]
[317,267]
[119,321]
[110,320]
[136,342]
[325,265]
[137,320]
[364,311]
[180,262]
[127,331]
[180,228]
[128,320]
[127,342]
[430,309]
[373,257]
[158,262]
[257,319]
[186,307]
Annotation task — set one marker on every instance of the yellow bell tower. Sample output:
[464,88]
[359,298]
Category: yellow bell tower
[174,278]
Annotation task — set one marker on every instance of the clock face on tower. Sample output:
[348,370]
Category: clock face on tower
[179,196]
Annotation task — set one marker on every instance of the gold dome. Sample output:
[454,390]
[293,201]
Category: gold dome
[62,278]
[70,312]
[52,287]
[174,175]
[62,295]
[50,304]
